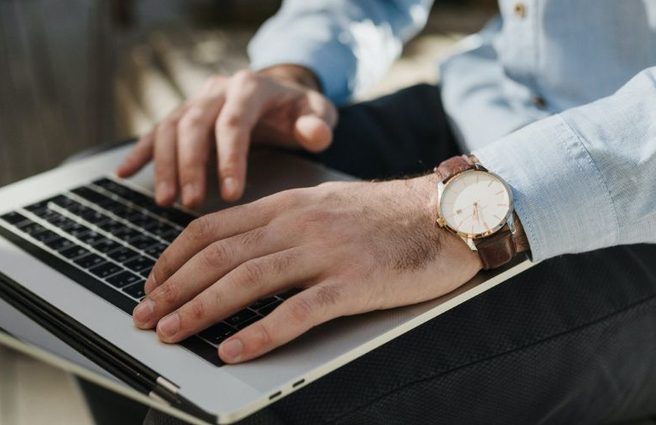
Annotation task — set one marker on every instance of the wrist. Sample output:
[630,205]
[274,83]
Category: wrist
[295,74]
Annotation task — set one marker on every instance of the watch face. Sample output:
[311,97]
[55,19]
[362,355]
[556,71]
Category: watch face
[475,203]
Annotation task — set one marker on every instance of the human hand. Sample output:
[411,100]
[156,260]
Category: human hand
[351,247]
[280,106]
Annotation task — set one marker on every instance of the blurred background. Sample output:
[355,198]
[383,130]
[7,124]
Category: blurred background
[78,73]
[75,73]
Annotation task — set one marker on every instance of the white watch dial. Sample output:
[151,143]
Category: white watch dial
[475,203]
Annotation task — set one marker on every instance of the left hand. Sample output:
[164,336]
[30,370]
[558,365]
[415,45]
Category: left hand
[351,247]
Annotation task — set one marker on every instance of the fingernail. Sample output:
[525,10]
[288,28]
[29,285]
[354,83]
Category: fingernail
[189,194]
[143,313]
[232,348]
[169,325]
[230,186]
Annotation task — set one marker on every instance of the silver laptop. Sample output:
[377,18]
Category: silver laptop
[76,245]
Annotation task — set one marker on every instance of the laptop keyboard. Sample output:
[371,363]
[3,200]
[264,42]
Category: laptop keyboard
[107,237]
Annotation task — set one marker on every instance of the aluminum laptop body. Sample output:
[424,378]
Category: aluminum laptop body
[175,374]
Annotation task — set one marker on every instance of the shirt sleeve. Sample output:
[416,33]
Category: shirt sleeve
[348,44]
[586,178]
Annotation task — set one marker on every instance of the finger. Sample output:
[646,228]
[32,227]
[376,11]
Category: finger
[194,133]
[313,128]
[207,229]
[252,280]
[165,158]
[291,319]
[312,133]
[204,269]
[139,156]
[242,108]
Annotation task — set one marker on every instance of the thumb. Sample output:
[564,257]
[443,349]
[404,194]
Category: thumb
[312,133]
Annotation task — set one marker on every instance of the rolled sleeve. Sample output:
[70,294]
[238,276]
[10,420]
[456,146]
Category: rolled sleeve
[559,193]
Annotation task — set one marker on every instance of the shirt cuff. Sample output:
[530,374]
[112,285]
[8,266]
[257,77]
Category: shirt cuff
[558,192]
[331,62]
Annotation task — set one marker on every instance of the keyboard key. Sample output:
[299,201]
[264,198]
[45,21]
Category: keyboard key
[91,238]
[123,279]
[140,264]
[59,244]
[262,303]
[122,254]
[240,317]
[112,226]
[78,231]
[269,308]
[146,272]
[106,269]
[32,228]
[55,218]
[157,227]
[106,245]
[13,218]
[89,261]
[45,236]
[248,322]
[156,250]
[136,290]
[66,224]
[170,236]
[143,242]
[92,216]
[64,201]
[89,194]
[45,213]
[38,207]
[218,333]
[74,252]
[127,234]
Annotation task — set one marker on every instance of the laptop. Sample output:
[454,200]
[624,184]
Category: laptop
[76,246]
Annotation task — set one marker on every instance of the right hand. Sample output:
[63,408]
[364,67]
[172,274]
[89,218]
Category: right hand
[280,106]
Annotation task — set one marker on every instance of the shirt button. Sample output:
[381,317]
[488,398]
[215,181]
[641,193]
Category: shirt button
[539,101]
[520,10]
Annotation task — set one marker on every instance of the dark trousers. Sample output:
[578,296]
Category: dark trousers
[570,341]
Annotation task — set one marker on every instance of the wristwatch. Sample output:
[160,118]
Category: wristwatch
[477,205]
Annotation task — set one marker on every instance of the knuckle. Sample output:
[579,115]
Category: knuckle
[252,237]
[168,123]
[199,228]
[253,273]
[261,336]
[300,308]
[327,296]
[245,76]
[215,253]
[167,293]
[229,120]
[197,309]
[191,120]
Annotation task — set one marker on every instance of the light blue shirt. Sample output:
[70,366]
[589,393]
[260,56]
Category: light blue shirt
[558,97]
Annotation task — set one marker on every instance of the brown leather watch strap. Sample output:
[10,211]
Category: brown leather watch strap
[453,166]
[497,249]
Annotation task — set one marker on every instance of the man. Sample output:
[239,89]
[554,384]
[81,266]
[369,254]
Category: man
[556,97]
